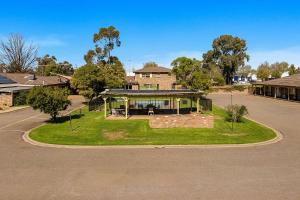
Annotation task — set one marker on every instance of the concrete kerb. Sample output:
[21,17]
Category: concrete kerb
[13,109]
[276,139]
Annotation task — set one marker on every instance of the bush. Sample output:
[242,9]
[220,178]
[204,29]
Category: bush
[20,98]
[219,80]
[240,88]
[49,100]
[236,112]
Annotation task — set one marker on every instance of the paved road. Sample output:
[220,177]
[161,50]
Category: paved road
[263,172]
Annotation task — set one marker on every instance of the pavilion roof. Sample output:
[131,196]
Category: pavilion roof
[151,93]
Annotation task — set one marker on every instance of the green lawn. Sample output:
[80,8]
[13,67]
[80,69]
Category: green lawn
[92,129]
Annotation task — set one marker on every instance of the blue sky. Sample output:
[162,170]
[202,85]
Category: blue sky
[156,30]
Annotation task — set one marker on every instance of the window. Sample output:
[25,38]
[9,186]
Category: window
[149,87]
[146,75]
[166,102]
[184,102]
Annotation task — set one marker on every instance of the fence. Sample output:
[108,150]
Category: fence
[96,104]
[206,104]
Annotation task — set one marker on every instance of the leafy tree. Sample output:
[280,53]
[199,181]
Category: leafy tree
[88,81]
[216,76]
[102,69]
[200,80]
[292,70]
[150,64]
[263,71]
[49,100]
[113,74]
[16,55]
[90,57]
[183,68]
[278,68]
[48,66]
[228,53]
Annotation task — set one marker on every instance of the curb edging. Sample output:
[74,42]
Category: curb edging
[276,139]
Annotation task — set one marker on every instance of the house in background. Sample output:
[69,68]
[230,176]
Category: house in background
[152,78]
[13,84]
[153,90]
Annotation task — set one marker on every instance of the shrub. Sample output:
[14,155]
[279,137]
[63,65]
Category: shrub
[219,80]
[49,100]
[240,88]
[236,112]
[20,98]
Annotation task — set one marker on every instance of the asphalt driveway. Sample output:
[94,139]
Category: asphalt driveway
[263,172]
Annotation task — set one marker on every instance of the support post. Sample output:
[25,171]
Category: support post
[126,107]
[275,96]
[288,95]
[178,105]
[264,90]
[191,108]
[198,106]
[105,109]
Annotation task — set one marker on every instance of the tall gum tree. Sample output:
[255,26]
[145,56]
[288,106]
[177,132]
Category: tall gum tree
[228,53]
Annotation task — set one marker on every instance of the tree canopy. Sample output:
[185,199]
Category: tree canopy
[184,68]
[91,79]
[47,66]
[102,70]
[105,40]
[264,71]
[150,64]
[88,80]
[49,100]
[278,68]
[190,74]
[228,53]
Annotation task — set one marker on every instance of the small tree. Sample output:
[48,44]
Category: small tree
[49,100]
[236,112]
[263,71]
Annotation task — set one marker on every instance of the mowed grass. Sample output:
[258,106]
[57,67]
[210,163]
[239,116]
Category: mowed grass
[92,129]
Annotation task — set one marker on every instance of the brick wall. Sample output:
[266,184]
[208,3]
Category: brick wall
[164,80]
[6,100]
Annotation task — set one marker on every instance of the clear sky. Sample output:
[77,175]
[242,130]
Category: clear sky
[156,30]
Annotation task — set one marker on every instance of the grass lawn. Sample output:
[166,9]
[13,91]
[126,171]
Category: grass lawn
[91,129]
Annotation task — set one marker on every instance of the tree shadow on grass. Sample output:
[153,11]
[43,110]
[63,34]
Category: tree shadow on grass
[65,118]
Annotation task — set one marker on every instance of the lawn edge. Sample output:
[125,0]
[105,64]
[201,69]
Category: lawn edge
[276,139]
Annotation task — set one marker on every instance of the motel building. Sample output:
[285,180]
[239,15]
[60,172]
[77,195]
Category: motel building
[287,88]
[151,91]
